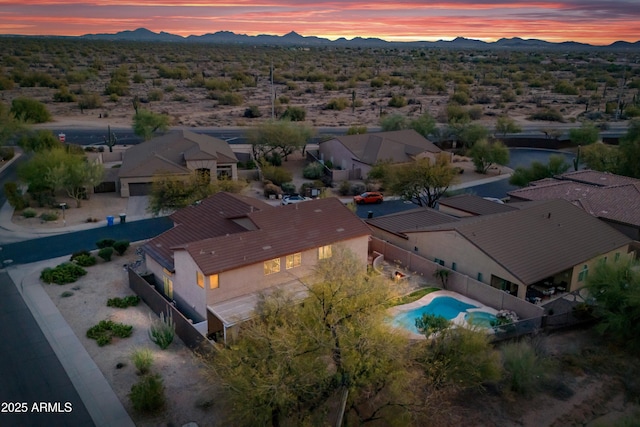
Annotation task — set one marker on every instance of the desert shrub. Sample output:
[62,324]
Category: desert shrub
[313,171]
[128,301]
[270,189]
[66,294]
[66,272]
[460,98]
[29,213]
[147,395]
[89,101]
[63,95]
[85,260]
[377,82]
[524,369]
[155,95]
[7,153]
[330,85]
[357,188]
[106,253]
[105,243]
[475,113]
[105,330]
[431,323]
[6,83]
[49,216]
[252,112]
[179,98]
[162,330]
[228,98]
[121,246]
[566,88]
[288,187]
[295,114]
[30,110]
[344,188]
[142,359]
[548,114]
[284,99]
[78,254]
[397,101]
[274,159]
[276,174]
[457,114]
[338,104]
[16,199]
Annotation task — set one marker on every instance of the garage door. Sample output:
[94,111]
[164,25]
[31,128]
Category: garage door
[140,189]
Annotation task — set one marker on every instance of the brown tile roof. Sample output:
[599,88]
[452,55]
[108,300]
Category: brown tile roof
[620,203]
[168,154]
[601,179]
[398,146]
[419,218]
[212,217]
[475,205]
[281,231]
[541,240]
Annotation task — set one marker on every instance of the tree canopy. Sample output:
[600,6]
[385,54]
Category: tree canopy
[586,134]
[280,137]
[425,125]
[523,176]
[485,155]
[422,181]
[30,110]
[505,125]
[146,123]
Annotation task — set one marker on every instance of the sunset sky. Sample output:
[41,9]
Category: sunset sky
[590,21]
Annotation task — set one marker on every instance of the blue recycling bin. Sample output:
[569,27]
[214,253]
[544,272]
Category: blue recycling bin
[109,221]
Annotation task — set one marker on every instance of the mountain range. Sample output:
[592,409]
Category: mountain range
[295,39]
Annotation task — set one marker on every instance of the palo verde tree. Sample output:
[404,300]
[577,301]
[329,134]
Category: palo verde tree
[616,288]
[280,137]
[485,154]
[146,123]
[75,176]
[294,363]
[505,125]
[523,176]
[584,135]
[38,140]
[30,110]
[422,181]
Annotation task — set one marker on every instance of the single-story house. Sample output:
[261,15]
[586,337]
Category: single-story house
[542,247]
[614,199]
[358,153]
[224,252]
[180,154]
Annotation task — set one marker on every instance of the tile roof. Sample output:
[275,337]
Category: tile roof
[602,179]
[620,203]
[168,154]
[419,218]
[540,240]
[210,218]
[475,205]
[281,231]
[398,146]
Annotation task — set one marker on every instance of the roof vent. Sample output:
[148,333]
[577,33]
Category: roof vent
[340,230]
[267,247]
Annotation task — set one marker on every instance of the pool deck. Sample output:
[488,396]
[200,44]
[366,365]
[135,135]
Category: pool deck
[425,300]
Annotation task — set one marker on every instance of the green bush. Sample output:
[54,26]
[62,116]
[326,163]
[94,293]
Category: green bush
[128,301]
[89,101]
[85,260]
[121,246]
[106,253]
[252,112]
[7,153]
[66,272]
[295,114]
[148,394]
[313,171]
[49,216]
[548,114]
[142,359]
[276,174]
[523,368]
[338,104]
[288,187]
[80,253]
[344,188]
[397,101]
[30,110]
[155,95]
[105,330]
[105,243]
[29,213]
[162,330]
[431,323]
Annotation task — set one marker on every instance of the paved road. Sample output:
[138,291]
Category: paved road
[30,372]
[63,244]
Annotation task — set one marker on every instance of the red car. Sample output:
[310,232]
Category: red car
[368,197]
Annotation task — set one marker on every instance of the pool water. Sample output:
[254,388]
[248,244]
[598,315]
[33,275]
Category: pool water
[444,306]
[480,318]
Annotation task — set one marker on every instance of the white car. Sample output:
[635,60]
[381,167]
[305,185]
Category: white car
[288,200]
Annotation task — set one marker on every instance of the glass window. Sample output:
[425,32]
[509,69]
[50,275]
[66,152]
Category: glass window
[294,260]
[324,252]
[200,279]
[454,266]
[168,287]
[582,276]
[272,266]
[479,277]
[213,281]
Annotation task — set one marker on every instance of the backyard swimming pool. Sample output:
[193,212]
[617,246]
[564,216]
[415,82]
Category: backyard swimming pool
[452,306]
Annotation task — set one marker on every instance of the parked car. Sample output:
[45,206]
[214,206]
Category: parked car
[368,197]
[296,198]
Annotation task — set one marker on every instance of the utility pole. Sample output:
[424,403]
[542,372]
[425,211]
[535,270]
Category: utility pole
[273,95]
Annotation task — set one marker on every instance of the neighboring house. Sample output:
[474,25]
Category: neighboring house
[612,198]
[464,205]
[358,153]
[180,154]
[223,253]
[526,252]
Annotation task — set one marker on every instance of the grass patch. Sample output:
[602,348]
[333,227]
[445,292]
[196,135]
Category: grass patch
[413,296]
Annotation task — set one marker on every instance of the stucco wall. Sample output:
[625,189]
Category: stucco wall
[336,152]
[185,283]
[592,263]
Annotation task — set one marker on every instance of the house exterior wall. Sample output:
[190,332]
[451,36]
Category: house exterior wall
[185,283]
[338,154]
[124,183]
[591,264]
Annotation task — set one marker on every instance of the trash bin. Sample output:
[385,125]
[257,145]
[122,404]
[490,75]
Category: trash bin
[123,218]
[370,214]
[109,221]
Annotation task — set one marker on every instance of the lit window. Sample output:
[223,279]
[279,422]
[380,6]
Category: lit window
[294,260]
[324,252]
[213,281]
[200,279]
[272,266]
[168,286]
